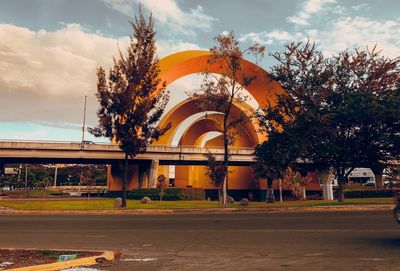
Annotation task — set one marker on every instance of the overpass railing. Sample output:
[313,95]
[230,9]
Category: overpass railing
[107,146]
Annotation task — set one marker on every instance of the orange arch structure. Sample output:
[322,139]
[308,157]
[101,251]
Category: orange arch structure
[240,177]
[187,108]
[178,65]
[263,88]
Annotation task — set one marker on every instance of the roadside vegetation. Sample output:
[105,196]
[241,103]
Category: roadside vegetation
[108,204]
[337,113]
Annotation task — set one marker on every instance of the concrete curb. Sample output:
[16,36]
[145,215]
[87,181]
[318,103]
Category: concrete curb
[335,208]
[87,261]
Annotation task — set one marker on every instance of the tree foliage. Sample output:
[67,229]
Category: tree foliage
[340,112]
[132,97]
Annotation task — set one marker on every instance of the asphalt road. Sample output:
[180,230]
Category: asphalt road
[248,241]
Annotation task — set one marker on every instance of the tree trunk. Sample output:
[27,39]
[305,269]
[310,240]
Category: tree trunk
[220,197]
[224,193]
[269,197]
[341,182]
[225,183]
[124,182]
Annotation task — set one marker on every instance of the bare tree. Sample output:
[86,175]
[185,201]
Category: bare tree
[296,183]
[161,185]
[219,93]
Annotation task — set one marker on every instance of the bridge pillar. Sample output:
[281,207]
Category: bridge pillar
[378,174]
[153,173]
[144,173]
[115,174]
[327,188]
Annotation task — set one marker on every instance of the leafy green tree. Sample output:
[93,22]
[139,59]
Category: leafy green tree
[132,99]
[340,112]
[219,93]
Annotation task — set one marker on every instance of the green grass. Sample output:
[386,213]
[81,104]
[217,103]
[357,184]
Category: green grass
[31,193]
[108,204]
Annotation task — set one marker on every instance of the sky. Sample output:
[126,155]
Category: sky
[50,49]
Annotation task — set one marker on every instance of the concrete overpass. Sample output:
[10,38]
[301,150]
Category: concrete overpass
[19,151]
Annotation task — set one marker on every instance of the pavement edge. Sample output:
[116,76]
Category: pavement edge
[87,261]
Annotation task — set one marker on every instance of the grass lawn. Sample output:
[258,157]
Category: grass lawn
[108,204]
[31,193]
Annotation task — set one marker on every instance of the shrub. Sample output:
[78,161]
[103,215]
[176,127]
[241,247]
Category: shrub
[145,200]
[169,194]
[230,199]
[244,202]
[190,193]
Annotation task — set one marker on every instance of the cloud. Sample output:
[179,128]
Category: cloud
[123,6]
[265,37]
[44,75]
[39,134]
[56,63]
[340,33]
[309,8]
[358,32]
[167,47]
[363,6]
[168,14]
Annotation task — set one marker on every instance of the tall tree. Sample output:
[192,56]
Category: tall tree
[343,111]
[132,98]
[218,93]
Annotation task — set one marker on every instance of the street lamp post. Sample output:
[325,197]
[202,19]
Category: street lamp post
[84,121]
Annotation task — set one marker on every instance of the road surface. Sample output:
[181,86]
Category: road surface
[247,241]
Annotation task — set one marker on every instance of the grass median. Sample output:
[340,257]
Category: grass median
[108,204]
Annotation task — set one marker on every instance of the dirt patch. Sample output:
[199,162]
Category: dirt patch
[10,258]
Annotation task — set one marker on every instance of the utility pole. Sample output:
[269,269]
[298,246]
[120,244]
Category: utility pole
[84,121]
[26,175]
[19,175]
[55,174]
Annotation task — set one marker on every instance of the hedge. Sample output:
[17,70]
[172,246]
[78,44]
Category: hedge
[382,193]
[169,194]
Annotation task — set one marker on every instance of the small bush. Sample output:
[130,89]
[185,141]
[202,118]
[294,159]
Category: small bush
[145,200]
[244,202]
[230,200]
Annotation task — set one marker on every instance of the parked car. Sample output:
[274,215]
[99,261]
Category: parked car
[396,210]
[6,188]
[87,142]
[369,183]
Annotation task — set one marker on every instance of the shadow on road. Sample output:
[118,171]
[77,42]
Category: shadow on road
[388,243]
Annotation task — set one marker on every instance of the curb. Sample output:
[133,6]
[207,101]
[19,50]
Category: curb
[333,208]
[87,261]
